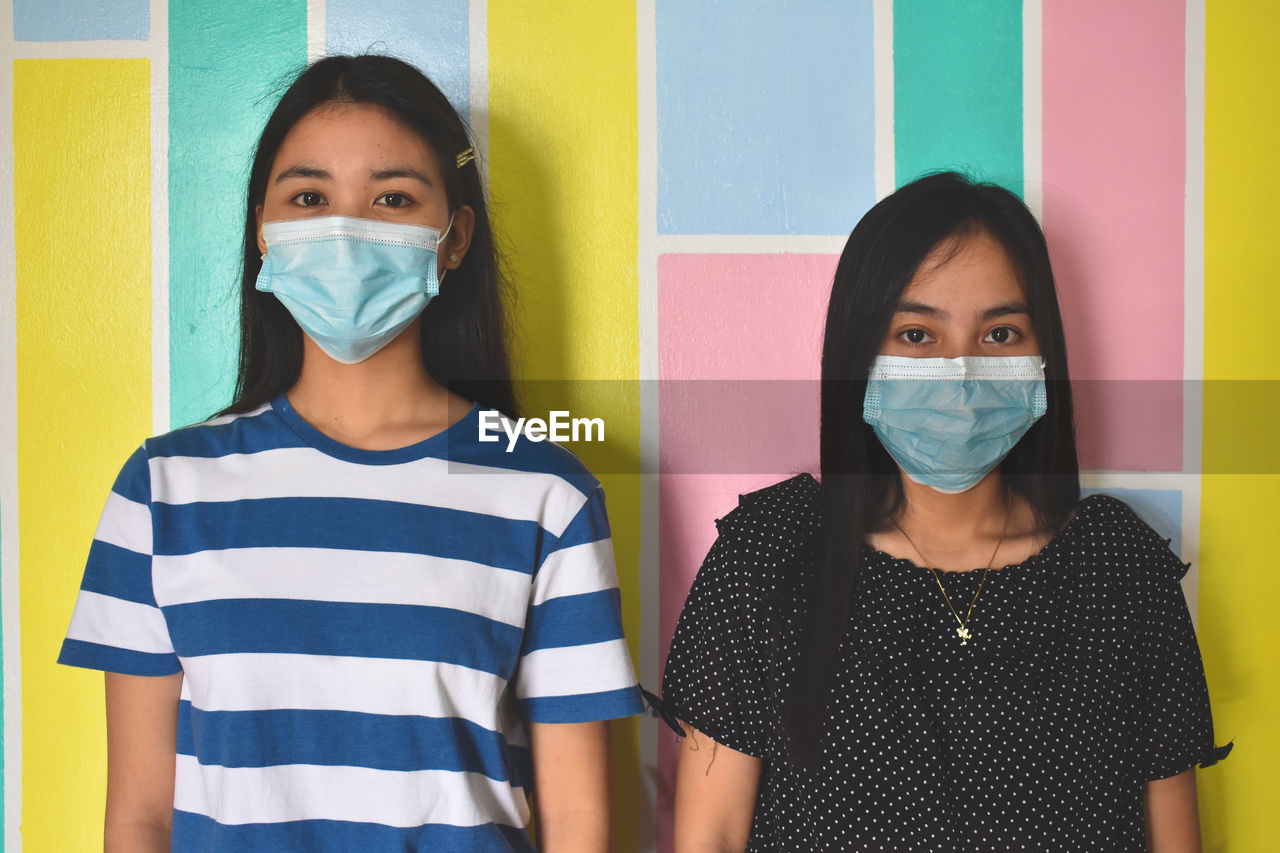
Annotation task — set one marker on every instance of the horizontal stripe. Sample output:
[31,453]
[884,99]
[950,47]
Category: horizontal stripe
[253,432]
[112,659]
[110,621]
[281,626]
[530,457]
[576,569]
[361,525]
[376,741]
[575,620]
[126,524]
[332,683]
[609,705]
[335,575]
[114,571]
[304,472]
[197,832]
[238,795]
[591,524]
[600,667]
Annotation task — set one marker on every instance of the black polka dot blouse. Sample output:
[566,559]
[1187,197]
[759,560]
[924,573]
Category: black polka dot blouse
[1082,681]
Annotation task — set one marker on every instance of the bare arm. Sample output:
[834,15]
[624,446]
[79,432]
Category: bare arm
[571,786]
[1172,815]
[715,796]
[142,726]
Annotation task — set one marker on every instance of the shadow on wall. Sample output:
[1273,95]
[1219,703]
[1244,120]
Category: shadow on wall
[531,241]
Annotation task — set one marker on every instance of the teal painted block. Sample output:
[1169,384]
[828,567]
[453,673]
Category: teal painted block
[228,64]
[957,89]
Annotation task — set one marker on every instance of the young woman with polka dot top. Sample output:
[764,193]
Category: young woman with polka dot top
[939,646]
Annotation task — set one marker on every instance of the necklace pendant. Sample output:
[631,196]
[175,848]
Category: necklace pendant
[963,633]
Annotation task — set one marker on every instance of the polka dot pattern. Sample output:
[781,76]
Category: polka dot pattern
[1081,681]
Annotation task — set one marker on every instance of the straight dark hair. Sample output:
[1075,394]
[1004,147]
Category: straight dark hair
[463,328]
[861,488]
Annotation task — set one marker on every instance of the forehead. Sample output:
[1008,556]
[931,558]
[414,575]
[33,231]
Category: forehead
[966,268]
[356,135]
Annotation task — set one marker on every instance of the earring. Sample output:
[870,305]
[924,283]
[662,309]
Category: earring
[453,257]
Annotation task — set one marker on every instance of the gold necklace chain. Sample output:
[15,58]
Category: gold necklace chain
[962,631]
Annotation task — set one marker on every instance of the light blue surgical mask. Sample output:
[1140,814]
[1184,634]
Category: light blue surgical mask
[948,422]
[351,284]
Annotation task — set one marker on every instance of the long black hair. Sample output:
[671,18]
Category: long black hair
[463,328]
[861,487]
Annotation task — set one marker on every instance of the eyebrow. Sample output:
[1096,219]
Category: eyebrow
[1005,310]
[310,172]
[920,308]
[992,313]
[400,172]
[317,174]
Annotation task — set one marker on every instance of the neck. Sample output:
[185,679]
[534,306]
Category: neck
[949,526]
[387,401]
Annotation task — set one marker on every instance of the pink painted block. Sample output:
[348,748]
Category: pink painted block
[740,343]
[689,506]
[1114,167]
[742,316]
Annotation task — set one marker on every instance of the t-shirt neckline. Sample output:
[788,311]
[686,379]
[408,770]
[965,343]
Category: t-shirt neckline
[436,445]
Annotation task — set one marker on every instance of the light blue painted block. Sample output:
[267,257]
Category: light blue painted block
[81,20]
[433,36]
[1161,508]
[766,116]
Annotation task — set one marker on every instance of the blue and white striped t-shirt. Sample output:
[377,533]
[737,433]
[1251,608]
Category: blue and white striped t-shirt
[362,634]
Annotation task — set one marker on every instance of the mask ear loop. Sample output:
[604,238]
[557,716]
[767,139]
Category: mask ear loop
[453,256]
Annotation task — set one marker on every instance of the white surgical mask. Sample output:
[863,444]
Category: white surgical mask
[351,284]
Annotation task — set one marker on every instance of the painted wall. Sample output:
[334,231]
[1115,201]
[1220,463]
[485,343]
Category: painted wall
[672,180]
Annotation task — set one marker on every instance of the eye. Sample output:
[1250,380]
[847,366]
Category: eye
[394,200]
[307,198]
[1002,335]
[915,337]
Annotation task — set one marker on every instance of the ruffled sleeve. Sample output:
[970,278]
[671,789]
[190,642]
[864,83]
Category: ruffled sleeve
[1174,722]
[714,677]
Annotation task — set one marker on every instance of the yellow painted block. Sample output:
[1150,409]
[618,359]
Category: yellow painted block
[1238,633]
[563,177]
[1238,582]
[82,199]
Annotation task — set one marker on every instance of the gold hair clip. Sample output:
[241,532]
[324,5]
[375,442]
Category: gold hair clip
[466,156]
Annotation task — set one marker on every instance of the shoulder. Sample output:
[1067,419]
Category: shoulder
[784,507]
[256,430]
[1108,530]
[769,530]
[209,439]
[515,447]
